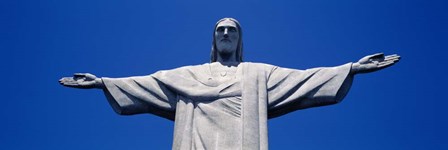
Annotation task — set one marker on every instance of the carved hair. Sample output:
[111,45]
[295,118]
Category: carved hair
[239,48]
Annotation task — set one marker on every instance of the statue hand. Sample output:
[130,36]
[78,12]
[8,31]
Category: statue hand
[374,62]
[82,81]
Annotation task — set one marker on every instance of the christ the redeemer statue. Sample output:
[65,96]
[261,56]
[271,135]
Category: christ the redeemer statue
[225,104]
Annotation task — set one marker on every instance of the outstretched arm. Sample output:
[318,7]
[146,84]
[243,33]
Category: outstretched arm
[130,95]
[82,81]
[374,62]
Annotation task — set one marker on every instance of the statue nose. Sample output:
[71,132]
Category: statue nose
[226,33]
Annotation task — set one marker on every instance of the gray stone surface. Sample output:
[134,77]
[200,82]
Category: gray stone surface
[225,104]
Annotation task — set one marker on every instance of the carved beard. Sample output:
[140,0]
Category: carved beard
[226,47]
[226,51]
[225,54]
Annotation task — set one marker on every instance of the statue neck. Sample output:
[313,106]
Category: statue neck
[227,59]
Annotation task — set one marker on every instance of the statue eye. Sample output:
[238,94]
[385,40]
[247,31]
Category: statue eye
[232,29]
[220,29]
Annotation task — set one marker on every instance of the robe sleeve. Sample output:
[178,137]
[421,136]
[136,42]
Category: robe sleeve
[290,89]
[142,94]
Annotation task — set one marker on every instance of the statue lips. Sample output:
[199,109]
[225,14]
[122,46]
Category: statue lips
[226,40]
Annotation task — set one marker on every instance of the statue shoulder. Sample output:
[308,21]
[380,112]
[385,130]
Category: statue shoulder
[264,68]
[260,65]
[185,68]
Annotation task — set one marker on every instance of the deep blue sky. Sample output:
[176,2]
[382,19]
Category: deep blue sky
[401,108]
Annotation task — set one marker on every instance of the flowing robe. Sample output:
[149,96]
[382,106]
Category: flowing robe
[226,115]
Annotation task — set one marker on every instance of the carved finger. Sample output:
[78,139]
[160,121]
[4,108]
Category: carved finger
[65,79]
[70,84]
[392,60]
[395,60]
[388,61]
[386,64]
[90,76]
[79,75]
[61,81]
[393,57]
[366,59]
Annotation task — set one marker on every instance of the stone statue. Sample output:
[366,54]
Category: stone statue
[225,104]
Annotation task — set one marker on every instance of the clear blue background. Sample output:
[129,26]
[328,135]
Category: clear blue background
[401,108]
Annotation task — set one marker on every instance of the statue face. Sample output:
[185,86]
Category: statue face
[226,36]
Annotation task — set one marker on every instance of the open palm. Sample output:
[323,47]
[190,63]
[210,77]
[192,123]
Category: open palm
[81,80]
[375,62]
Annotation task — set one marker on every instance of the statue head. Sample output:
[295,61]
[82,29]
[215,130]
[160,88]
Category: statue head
[227,39]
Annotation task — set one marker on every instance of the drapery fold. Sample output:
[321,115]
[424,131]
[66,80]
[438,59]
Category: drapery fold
[267,92]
